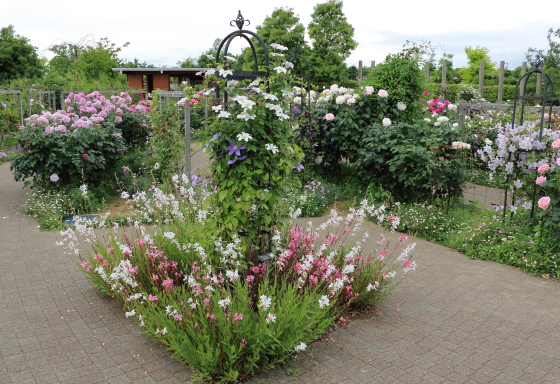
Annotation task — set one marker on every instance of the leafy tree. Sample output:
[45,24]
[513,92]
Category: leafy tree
[401,75]
[332,41]
[136,64]
[189,62]
[85,64]
[281,27]
[18,58]
[476,55]
[552,56]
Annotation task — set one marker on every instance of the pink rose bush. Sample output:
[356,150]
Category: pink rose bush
[81,143]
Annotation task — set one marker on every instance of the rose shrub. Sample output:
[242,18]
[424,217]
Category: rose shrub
[81,144]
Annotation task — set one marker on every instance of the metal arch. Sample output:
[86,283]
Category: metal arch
[300,57]
[546,96]
[241,33]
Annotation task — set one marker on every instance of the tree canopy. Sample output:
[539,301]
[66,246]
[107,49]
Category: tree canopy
[474,57]
[281,27]
[18,58]
[332,41]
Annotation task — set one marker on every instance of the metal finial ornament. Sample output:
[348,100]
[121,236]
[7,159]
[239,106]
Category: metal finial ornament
[537,63]
[239,21]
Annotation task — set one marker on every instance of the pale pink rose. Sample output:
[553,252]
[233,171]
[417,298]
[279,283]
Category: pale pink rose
[556,144]
[329,117]
[351,100]
[543,168]
[540,180]
[54,177]
[544,202]
[382,93]
[558,161]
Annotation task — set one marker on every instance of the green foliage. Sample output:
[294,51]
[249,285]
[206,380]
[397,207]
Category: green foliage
[414,162]
[85,65]
[9,116]
[332,41]
[62,154]
[166,142]
[343,136]
[251,145]
[18,58]
[67,148]
[469,73]
[49,207]
[401,75]
[281,27]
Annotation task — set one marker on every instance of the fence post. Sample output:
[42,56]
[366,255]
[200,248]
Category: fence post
[187,137]
[523,72]
[501,83]
[426,72]
[372,65]
[481,80]
[360,72]
[444,74]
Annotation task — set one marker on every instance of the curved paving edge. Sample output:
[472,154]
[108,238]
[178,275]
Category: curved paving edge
[454,320]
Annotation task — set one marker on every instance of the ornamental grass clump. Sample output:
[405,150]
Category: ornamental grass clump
[81,144]
[228,319]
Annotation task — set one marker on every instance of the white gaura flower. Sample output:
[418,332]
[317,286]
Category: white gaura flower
[169,235]
[301,347]
[324,301]
[280,70]
[401,106]
[271,147]
[125,195]
[244,136]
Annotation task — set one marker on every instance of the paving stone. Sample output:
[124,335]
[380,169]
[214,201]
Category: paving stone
[454,320]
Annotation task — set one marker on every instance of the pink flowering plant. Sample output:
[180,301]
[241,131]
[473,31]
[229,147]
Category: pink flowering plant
[81,144]
[548,180]
[226,319]
[516,158]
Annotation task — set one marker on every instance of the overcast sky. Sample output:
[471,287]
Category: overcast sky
[165,31]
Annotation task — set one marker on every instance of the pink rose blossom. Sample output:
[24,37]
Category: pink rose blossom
[544,202]
[540,180]
[556,144]
[329,117]
[543,168]
[54,178]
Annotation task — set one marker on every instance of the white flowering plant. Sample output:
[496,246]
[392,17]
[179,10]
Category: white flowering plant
[253,151]
[226,319]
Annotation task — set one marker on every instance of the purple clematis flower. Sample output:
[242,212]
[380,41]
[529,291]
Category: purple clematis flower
[298,166]
[236,158]
[234,148]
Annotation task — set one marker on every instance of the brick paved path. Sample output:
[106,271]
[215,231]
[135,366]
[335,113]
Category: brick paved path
[454,320]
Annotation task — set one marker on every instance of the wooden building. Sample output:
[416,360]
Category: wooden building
[160,78]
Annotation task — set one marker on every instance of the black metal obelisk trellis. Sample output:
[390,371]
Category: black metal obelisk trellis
[544,99]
